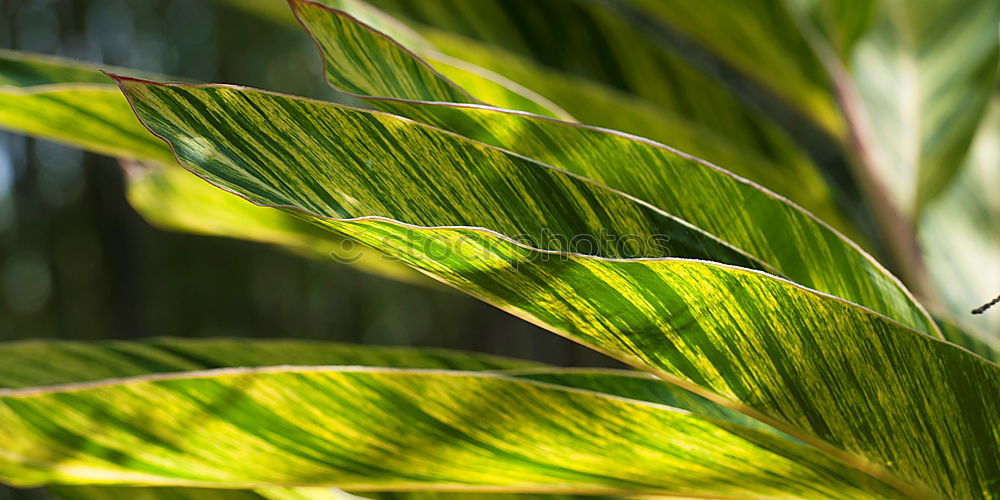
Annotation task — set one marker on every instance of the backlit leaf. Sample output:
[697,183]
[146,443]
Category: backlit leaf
[915,411]
[370,428]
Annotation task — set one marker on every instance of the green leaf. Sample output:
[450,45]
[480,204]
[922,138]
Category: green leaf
[422,82]
[557,210]
[907,80]
[48,362]
[39,363]
[369,428]
[768,158]
[740,213]
[427,495]
[602,43]
[75,103]
[87,492]
[974,342]
[34,363]
[914,411]
[317,493]
[686,118]
[171,198]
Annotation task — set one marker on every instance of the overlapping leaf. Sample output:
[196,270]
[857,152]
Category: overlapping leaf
[913,411]
[361,429]
[34,363]
[422,82]
[595,41]
[308,493]
[75,103]
[71,102]
[774,231]
[474,183]
[38,362]
[172,198]
[680,106]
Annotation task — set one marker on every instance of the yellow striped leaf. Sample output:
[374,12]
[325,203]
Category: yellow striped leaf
[48,362]
[313,493]
[171,198]
[74,103]
[757,221]
[33,363]
[39,363]
[421,81]
[687,118]
[378,429]
[745,339]
[485,186]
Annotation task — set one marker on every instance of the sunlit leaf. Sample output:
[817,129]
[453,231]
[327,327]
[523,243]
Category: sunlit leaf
[759,222]
[32,363]
[681,108]
[423,83]
[75,103]
[744,339]
[371,428]
[172,198]
[47,362]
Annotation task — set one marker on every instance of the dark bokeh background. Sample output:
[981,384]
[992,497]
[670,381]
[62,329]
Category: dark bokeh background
[77,262]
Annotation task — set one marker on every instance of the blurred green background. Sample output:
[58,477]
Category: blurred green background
[77,262]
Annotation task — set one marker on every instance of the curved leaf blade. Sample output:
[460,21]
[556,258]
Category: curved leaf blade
[364,429]
[48,362]
[171,198]
[486,186]
[39,363]
[75,103]
[314,493]
[753,219]
[422,82]
[748,144]
[35,363]
[744,339]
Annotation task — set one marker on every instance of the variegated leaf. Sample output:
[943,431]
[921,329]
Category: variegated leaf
[762,224]
[915,412]
[393,429]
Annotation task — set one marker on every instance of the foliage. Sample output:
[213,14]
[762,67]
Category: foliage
[529,154]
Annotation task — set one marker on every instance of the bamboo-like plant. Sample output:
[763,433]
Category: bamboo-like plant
[498,147]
